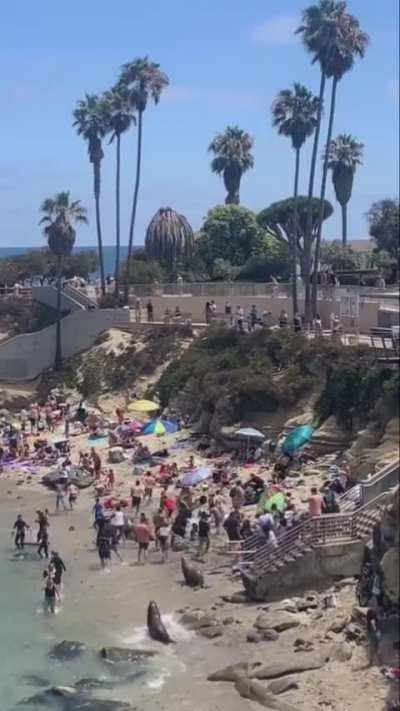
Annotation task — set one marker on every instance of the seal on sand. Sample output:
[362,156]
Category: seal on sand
[156,626]
[193,576]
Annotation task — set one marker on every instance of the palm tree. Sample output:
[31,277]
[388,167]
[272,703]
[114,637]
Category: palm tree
[232,159]
[90,120]
[295,114]
[59,216]
[344,155]
[142,79]
[169,238]
[119,117]
[334,38]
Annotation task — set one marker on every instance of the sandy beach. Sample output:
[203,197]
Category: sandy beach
[110,608]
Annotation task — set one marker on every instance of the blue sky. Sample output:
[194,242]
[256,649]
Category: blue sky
[226,60]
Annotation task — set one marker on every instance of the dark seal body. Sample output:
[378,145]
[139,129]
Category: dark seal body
[193,576]
[156,626]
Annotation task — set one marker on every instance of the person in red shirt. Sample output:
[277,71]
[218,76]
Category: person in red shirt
[143,536]
[315,503]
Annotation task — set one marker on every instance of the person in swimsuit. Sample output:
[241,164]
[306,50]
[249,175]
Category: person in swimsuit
[104,544]
[44,543]
[58,566]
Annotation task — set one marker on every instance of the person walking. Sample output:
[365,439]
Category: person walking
[59,567]
[51,595]
[143,536]
[72,495]
[20,527]
[204,534]
[138,310]
[43,547]
[60,497]
[118,524]
[136,496]
[98,511]
[163,538]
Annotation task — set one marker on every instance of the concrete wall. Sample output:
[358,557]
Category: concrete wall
[196,304]
[25,356]
[323,564]
[48,295]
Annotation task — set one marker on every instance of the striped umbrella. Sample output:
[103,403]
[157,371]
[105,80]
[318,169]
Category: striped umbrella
[160,427]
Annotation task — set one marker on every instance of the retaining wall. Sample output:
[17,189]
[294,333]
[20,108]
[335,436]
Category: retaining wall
[25,356]
[323,564]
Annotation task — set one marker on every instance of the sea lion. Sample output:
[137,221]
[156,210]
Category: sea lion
[156,626]
[193,576]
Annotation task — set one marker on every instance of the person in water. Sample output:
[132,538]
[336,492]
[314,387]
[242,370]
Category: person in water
[43,541]
[58,566]
[104,544]
[20,527]
[51,595]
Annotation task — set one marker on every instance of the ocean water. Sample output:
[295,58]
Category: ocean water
[108,251]
[27,635]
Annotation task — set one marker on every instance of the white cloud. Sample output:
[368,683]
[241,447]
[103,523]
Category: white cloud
[277,30]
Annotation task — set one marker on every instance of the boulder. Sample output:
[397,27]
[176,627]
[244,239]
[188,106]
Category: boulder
[212,632]
[279,621]
[292,664]
[236,598]
[116,455]
[228,621]
[341,652]
[269,635]
[310,602]
[354,632]
[253,638]
[198,620]
[288,605]
[231,672]
[279,686]
[122,654]
[338,624]
[65,650]
[93,683]
[255,691]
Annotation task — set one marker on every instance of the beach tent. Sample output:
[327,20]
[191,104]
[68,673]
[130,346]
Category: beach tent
[196,476]
[143,406]
[296,439]
[279,499]
[159,427]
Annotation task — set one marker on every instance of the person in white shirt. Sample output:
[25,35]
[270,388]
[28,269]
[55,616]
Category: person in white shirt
[118,521]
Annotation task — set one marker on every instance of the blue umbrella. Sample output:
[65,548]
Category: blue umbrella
[196,476]
[297,438]
[160,427]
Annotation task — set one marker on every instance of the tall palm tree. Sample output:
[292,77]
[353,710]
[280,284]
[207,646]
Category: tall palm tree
[60,214]
[90,121]
[142,80]
[232,150]
[119,118]
[344,155]
[295,115]
[334,38]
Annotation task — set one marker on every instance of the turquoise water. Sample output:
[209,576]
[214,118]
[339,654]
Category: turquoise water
[27,635]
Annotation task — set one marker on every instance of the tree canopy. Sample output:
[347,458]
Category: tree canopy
[294,113]
[334,255]
[383,219]
[42,263]
[230,233]
[278,218]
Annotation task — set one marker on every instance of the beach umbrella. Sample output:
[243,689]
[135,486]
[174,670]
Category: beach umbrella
[250,433]
[195,476]
[297,438]
[159,427]
[143,406]
[279,499]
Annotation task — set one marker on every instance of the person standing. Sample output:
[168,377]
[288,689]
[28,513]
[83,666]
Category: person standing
[138,310]
[98,511]
[297,323]
[60,496]
[104,537]
[163,538]
[72,495]
[143,536]
[58,566]
[136,496]
[20,527]
[232,526]
[67,421]
[43,547]
[204,534]
[149,484]
[43,521]
[315,503]
[96,463]
[118,524]
[50,595]
[283,319]
[150,311]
